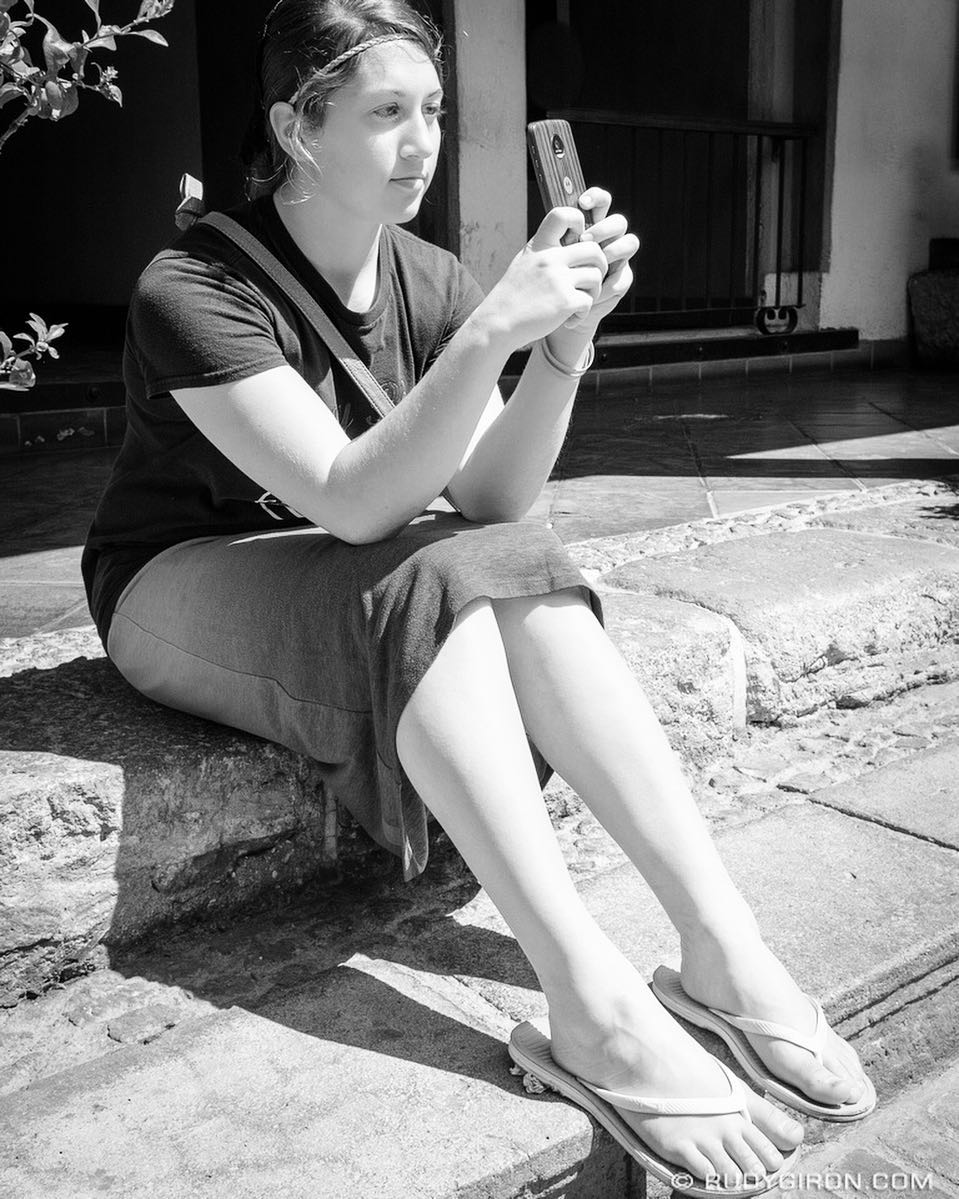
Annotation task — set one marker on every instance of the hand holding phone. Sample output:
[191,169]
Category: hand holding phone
[557,169]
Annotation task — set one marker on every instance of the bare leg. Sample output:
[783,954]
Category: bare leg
[461,741]
[588,716]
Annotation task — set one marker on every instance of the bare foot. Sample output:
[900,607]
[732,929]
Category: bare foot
[747,979]
[634,1046]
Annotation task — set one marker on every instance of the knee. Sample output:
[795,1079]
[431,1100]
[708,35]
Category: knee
[516,610]
[473,613]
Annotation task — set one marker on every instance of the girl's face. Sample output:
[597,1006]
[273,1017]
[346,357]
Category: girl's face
[377,146]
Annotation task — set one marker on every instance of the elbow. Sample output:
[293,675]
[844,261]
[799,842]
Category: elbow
[366,532]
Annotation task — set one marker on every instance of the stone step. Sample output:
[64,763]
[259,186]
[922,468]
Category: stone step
[385,1073]
[118,816]
[910,1147]
[825,615]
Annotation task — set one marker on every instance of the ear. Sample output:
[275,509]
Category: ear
[282,122]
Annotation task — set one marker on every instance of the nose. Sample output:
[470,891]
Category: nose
[420,139]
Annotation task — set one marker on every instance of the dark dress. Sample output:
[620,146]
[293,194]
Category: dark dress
[212,596]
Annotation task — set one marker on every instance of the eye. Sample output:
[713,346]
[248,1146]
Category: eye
[387,111]
[435,110]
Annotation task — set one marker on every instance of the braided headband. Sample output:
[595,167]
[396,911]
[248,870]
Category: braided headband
[347,54]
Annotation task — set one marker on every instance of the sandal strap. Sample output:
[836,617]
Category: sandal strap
[812,1042]
[711,1105]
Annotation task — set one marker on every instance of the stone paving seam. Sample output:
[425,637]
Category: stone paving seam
[837,462]
[698,463]
[606,553]
[922,431]
[871,819]
[941,954]
[883,1007]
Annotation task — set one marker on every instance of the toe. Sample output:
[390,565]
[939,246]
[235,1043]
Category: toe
[784,1132]
[829,1087]
[696,1163]
[746,1158]
[771,1158]
[726,1172]
[844,1061]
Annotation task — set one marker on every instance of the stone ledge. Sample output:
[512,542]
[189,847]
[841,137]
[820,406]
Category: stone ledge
[118,815]
[380,1077]
[826,616]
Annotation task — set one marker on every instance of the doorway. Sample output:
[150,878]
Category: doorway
[707,129]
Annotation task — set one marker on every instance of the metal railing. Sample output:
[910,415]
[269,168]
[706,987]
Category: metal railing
[720,207]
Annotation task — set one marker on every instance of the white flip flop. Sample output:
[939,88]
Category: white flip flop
[733,1029]
[530,1050]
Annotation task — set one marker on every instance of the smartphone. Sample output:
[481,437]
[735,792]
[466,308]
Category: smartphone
[557,169]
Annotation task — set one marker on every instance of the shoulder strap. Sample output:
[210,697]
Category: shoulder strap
[335,342]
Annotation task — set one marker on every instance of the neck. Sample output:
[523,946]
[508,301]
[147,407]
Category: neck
[345,253]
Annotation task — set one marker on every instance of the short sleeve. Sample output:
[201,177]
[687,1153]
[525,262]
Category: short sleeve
[196,324]
[467,295]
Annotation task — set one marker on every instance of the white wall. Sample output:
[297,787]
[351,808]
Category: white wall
[894,184]
[491,94]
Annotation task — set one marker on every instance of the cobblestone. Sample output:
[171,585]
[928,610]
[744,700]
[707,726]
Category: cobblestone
[144,1025]
[828,747]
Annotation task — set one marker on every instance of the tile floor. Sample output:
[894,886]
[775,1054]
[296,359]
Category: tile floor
[635,459]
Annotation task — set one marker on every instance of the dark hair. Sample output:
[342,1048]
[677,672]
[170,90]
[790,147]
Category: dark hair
[299,38]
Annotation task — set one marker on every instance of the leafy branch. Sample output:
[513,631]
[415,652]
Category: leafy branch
[15,370]
[52,91]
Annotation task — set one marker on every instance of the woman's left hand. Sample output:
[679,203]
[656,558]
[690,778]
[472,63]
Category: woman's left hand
[611,231]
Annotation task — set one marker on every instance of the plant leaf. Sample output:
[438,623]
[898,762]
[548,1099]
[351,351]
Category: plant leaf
[153,9]
[71,101]
[94,6]
[22,373]
[56,49]
[6,345]
[8,92]
[56,331]
[23,337]
[51,102]
[151,35]
[105,43]
[52,352]
[78,57]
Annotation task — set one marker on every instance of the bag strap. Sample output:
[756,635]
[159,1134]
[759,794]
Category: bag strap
[335,342]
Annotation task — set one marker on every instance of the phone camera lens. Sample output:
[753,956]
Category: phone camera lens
[559,148]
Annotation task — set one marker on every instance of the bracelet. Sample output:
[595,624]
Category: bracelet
[576,372]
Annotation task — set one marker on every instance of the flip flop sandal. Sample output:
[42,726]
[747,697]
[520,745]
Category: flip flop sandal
[733,1029]
[530,1050]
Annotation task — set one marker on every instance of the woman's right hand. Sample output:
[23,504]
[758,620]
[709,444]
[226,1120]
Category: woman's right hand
[546,284]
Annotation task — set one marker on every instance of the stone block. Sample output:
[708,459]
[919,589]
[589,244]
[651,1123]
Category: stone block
[118,815]
[853,909]
[827,617]
[369,1083]
[689,662]
[916,794]
[932,518]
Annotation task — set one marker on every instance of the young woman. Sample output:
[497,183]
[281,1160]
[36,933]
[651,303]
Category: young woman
[261,558]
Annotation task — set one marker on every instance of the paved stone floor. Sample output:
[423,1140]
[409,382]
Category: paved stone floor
[635,459]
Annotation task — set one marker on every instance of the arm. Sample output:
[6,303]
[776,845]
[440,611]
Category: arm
[273,429]
[514,448]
